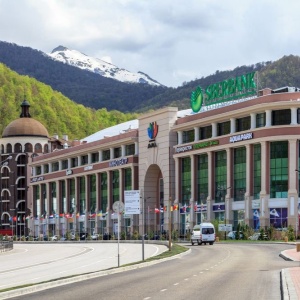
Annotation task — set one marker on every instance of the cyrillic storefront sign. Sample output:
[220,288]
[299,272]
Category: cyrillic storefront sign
[241,137]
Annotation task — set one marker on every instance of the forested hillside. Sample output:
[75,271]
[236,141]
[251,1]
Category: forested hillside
[55,111]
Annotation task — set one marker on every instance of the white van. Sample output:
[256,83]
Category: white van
[203,233]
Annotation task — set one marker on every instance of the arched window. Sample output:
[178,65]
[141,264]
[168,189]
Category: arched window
[2,148]
[18,148]
[38,148]
[46,148]
[28,147]
[8,148]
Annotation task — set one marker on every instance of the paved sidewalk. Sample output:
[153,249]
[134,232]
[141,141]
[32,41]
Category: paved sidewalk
[291,276]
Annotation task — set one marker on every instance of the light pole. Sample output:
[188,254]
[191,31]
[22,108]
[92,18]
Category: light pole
[297,218]
[143,227]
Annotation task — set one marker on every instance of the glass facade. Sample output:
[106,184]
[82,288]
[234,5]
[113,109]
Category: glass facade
[281,117]
[92,193]
[127,179]
[260,120]
[115,186]
[185,180]
[239,173]
[223,128]
[82,206]
[279,169]
[243,124]
[103,192]
[72,207]
[202,179]
[205,132]
[188,136]
[220,176]
[63,200]
[256,171]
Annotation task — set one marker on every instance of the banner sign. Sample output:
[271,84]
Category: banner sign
[227,90]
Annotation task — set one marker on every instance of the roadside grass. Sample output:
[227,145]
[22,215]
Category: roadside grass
[175,249]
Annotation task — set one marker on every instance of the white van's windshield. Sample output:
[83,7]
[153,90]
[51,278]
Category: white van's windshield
[207,230]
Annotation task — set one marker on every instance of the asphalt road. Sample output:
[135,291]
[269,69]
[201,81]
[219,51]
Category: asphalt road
[221,271]
[33,263]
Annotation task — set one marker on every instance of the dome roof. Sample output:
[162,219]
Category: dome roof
[25,127]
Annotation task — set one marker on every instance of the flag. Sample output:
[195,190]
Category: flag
[165,208]
[27,218]
[14,219]
[99,213]
[175,207]
[156,210]
[61,215]
[274,212]
[77,215]
[51,217]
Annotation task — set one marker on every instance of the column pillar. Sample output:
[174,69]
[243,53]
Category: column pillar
[179,133]
[193,189]
[232,125]
[214,131]
[253,120]
[196,130]
[268,118]
[294,115]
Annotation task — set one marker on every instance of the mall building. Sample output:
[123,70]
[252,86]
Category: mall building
[236,161]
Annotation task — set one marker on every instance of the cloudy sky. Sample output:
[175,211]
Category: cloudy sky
[173,41]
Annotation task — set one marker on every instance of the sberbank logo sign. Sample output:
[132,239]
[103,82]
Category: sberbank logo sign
[231,89]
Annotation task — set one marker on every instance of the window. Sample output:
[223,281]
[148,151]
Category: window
[106,154]
[256,171]
[127,178]
[260,120]
[220,176]
[95,157]
[239,174]
[185,180]
[46,169]
[55,166]
[188,136]
[38,170]
[103,192]
[243,124]
[278,217]
[202,180]
[64,164]
[223,128]
[130,149]
[117,152]
[74,162]
[279,169]
[281,117]
[205,132]
[84,160]
[115,186]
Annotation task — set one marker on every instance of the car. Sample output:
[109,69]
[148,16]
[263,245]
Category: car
[54,238]
[95,236]
[231,235]
[255,236]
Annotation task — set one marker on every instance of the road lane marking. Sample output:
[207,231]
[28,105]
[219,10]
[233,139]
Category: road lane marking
[163,290]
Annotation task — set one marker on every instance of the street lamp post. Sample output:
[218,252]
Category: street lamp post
[143,227]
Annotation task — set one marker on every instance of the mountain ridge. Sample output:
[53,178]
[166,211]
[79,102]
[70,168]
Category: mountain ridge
[98,66]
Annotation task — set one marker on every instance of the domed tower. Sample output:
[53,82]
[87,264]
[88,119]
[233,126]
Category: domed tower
[21,139]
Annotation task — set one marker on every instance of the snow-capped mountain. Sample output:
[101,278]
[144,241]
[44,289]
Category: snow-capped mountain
[98,66]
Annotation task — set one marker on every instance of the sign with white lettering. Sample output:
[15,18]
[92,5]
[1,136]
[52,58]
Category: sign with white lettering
[241,137]
[118,162]
[132,202]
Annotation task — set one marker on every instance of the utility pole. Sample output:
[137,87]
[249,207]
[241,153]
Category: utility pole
[170,225]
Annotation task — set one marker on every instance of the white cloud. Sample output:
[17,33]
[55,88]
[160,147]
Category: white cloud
[172,40]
